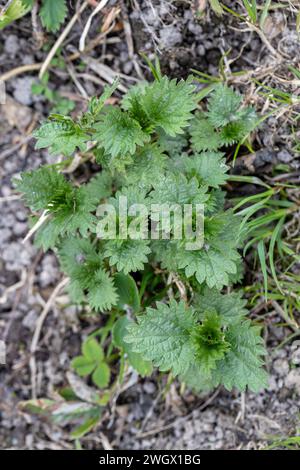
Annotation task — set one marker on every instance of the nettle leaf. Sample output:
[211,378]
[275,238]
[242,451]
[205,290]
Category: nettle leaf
[72,216]
[84,265]
[209,341]
[215,202]
[149,160]
[230,307]
[97,104]
[223,106]
[102,293]
[168,104]
[74,252]
[99,187]
[225,122]
[197,378]
[208,167]
[70,208]
[177,189]
[209,265]
[127,255]
[173,145]
[242,365]
[167,252]
[41,188]
[53,14]
[134,195]
[203,134]
[61,135]
[162,335]
[48,235]
[76,214]
[119,134]
[222,231]
[131,102]
[235,131]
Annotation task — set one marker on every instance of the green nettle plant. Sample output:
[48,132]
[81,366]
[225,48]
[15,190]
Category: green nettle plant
[156,147]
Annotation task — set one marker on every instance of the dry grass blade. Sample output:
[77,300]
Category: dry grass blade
[101,5]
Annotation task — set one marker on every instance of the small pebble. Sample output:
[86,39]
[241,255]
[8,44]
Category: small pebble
[11,45]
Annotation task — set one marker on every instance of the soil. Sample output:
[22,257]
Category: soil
[145,415]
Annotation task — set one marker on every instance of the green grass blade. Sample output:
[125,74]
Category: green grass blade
[275,235]
[262,259]
[251,9]
[264,13]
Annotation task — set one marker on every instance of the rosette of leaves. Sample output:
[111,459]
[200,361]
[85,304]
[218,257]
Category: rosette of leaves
[154,148]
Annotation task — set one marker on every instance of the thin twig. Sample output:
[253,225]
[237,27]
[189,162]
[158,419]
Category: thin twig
[105,72]
[13,197]
[19,70]
[77,83]
[14,287]
[37,332]
[105,442]
[74,56]
[37,225]
[7,152]
[264,39]
[241,413]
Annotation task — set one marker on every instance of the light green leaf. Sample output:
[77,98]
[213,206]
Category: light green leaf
[16,10]
[204,135]
[92,350]
[208,167]
[61,135]
[210,266]
[102,293]
[168,104]
[142,366]
[83,365]
[101,375]
[85,427]
[119,134]
[127,291]
[128,255]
